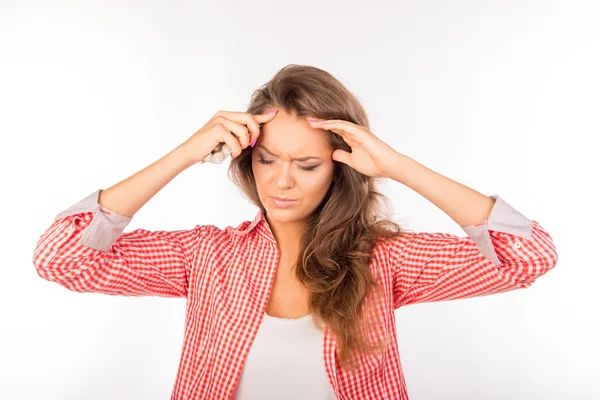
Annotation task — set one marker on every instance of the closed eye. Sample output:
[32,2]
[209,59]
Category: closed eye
[263,161]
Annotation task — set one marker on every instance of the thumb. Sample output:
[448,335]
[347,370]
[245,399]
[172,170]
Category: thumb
[341,156]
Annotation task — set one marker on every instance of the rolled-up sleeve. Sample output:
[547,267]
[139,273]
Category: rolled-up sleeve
[507,251]
[85,250]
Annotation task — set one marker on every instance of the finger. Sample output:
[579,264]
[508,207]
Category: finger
[341,156]
[348,138]
[266,116]
[249,120]
[260,120]
[312,120]
[242,118]
[231,141]
[239,130]
[346,126]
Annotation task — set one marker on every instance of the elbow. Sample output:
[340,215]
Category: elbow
[546,253]
[539,267]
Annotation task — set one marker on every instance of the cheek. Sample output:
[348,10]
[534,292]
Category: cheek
[260,174]
[262,179]
[318,182]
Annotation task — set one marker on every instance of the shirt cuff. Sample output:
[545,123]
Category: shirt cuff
[503,218]
[105,227]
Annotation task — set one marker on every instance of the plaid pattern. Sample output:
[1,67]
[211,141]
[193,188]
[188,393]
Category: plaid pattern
[226,276]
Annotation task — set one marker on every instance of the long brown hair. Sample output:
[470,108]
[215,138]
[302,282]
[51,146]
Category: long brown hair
[335,250]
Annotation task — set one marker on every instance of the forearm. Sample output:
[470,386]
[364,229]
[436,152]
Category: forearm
[464,205]
[129,195]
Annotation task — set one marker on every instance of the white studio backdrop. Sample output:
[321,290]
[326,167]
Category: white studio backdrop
[501,96]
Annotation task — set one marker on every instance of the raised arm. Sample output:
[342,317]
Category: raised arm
[507,251]
[503,250]
[85,249]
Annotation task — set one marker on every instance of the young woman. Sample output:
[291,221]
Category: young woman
[299,302]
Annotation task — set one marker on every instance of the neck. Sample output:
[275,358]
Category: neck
[287,235]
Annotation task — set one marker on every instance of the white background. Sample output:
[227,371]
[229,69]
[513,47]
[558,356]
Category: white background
[501,96]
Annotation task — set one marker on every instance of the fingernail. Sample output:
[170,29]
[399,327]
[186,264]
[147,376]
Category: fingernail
[253,142]
[271,112]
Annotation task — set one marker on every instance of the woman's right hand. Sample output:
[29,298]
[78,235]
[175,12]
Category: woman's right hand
[236,129]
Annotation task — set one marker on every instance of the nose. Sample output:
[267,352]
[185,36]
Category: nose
[284,177]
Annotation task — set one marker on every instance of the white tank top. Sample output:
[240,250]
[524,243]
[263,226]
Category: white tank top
[285,362]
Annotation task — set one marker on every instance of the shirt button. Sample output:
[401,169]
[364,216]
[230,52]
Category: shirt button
[517,245]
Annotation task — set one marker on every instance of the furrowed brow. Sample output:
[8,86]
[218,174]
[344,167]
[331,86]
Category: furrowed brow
[296,159]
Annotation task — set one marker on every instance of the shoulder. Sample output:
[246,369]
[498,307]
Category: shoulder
[229,235]
[388,249]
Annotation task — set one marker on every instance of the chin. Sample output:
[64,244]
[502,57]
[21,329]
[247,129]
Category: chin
[290,214]
[282,211]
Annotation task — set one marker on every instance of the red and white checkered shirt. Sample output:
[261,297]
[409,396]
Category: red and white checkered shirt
[227,275]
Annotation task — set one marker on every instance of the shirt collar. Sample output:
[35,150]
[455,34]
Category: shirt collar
[259,224]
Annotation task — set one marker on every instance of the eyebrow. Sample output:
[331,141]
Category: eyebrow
[296,159]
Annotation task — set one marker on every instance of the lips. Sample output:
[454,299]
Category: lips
[283,203]
[283,198]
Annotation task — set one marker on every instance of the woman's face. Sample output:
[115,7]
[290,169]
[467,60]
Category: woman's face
[278,170]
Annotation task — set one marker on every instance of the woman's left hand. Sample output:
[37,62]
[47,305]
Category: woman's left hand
[370,155]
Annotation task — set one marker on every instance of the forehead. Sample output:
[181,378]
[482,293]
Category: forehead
[289,135]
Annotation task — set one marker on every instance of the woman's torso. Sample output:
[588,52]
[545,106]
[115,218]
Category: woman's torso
[286,359]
